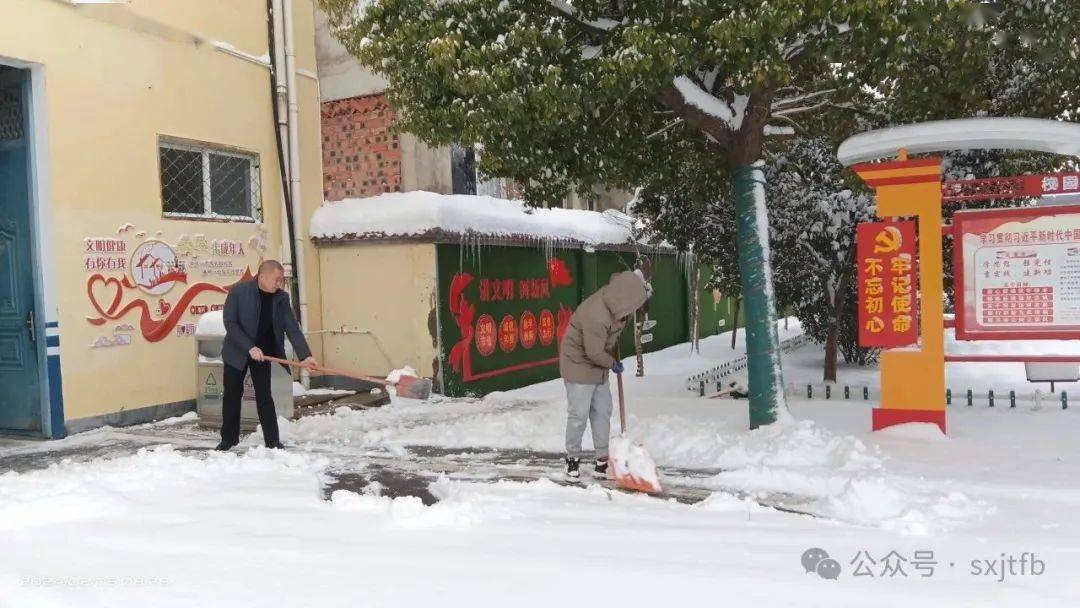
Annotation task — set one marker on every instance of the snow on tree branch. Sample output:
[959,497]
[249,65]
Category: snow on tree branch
[602,24]
[731,114]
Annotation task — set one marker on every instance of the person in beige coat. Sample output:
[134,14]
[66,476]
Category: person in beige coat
[587,354]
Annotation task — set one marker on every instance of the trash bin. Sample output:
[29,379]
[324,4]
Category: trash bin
[209,337]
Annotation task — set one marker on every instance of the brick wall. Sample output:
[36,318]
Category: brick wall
[361,157]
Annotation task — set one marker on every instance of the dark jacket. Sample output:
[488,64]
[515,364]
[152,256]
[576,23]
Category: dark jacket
[585,352]
[241,316]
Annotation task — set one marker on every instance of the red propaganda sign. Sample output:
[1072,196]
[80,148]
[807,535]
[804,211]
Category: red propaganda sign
[547,327]
[1019,186]
[527,328]
[485,335]
[1017,273]
[887,287]
[508,335]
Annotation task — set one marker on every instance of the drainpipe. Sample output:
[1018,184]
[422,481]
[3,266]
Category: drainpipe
[299,232]
[282,123]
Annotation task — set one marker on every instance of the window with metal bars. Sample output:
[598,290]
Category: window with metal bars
[202,181]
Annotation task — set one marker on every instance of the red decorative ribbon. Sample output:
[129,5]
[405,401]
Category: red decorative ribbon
[463,311]
[152,330]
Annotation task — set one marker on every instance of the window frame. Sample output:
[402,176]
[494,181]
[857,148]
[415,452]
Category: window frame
[205,149]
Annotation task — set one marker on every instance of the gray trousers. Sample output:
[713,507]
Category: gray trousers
[587,403]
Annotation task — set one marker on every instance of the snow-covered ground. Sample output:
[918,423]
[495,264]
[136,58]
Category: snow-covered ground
[174,525]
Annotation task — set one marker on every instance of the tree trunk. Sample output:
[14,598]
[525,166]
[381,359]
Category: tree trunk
[832,341]
[735,322]
[832,337]
[755,267]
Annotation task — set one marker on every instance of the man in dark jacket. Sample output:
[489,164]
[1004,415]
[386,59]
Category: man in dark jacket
[257,318]
[586,353]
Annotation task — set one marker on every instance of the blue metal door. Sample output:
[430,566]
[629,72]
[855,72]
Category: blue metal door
[20,375]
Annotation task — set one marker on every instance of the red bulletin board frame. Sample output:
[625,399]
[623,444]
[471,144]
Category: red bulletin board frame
[1020,214]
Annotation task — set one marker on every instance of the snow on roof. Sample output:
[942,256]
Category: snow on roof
[421,213]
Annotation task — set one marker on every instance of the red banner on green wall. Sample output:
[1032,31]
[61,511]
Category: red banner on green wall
[507,321]
[886,282]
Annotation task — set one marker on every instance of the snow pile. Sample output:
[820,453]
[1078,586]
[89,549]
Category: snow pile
[704,443]
[490,423]
[334,392]
[918,431]
[298,390]
[211,325]
[897,506]
[461,505]
[837,475]
[119,487]
[395,376]
[426,213]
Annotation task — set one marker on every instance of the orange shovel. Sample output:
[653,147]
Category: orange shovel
[631,465]
[409,387]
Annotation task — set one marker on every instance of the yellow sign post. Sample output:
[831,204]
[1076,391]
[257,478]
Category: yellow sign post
[913,379]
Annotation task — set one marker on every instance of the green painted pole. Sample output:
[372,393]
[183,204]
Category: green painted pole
[759,301]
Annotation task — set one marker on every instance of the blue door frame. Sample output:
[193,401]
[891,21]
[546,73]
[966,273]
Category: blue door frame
[23,371]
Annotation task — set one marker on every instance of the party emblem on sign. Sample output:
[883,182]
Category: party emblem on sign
[888,240]
[155,269]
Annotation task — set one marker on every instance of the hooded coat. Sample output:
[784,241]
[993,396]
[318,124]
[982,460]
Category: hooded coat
[586,351]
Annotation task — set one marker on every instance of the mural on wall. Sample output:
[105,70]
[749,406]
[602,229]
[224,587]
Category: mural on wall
[503,310]
[517,314]
[160,280]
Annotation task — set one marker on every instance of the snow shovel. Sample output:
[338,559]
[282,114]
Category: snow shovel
[631,465]
[409,387]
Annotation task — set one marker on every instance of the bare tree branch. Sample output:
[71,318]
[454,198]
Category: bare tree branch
[790,100]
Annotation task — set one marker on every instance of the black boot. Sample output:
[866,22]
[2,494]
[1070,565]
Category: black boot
[275,445]
[600,470]
[225,446]
[572,465]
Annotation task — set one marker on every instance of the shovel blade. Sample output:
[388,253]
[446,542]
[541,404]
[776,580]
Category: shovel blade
[412,387]
[631,466]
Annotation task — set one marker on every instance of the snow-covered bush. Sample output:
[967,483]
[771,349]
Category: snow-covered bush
[814,214]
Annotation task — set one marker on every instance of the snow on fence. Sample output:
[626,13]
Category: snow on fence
[716,375]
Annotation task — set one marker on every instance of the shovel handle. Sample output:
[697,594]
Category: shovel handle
[327,370]
[622,403]
[622,400]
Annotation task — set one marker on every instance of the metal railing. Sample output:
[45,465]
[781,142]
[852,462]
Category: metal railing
[715,376]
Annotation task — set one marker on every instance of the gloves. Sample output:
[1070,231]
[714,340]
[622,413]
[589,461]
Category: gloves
[617,367]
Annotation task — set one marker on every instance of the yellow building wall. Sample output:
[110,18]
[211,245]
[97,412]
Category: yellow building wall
[116,77]
[388,291]
[311,161]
